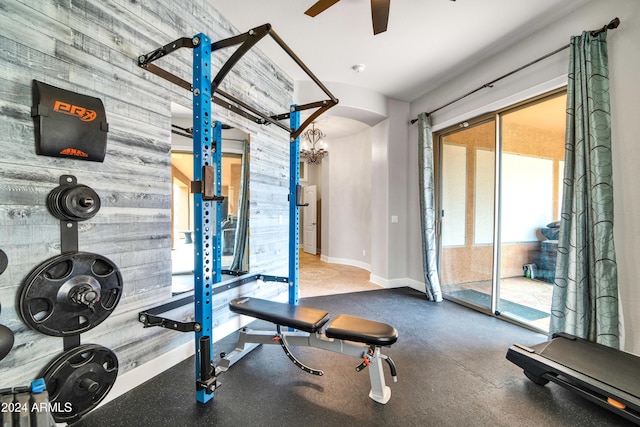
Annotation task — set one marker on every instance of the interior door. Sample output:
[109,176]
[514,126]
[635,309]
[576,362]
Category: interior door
[309,220]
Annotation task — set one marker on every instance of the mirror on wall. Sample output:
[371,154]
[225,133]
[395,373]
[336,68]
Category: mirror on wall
[235,207]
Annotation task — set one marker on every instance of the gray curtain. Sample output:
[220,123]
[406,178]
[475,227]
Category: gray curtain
[585,295]
[427,208]
[242,227]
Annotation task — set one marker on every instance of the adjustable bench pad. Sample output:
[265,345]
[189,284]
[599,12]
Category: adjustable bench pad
[351,328]
[310,319]
[303,318]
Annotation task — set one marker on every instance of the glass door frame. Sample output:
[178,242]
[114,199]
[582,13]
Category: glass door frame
[439,136]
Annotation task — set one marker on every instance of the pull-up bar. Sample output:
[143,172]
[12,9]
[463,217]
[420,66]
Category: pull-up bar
[246,41]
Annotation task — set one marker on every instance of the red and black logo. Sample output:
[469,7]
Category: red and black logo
[82,113]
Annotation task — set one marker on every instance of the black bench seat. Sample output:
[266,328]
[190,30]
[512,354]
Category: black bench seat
[310,320]
[348,335]
[357,329]
[306,319]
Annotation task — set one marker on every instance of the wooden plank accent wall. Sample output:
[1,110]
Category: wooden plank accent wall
[91,47]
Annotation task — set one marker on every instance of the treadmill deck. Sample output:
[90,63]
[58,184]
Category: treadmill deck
[606,376]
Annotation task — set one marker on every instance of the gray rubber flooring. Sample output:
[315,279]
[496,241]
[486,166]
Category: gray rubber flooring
[451,364]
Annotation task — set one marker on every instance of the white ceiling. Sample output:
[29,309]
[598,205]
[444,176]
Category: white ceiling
[427,42]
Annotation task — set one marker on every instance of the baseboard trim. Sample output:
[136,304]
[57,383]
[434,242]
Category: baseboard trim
[396,283]
[414,284]
[345,261]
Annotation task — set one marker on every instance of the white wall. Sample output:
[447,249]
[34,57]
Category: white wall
[369,184]
[379,201]
[325,225]
[624,63]
[355,102]
[398,159]
[348,225]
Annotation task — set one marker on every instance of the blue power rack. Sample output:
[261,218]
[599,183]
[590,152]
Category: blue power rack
[207,141]
[294,213]
[207,151]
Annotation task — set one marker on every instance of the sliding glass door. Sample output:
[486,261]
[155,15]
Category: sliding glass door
[467,212]
[500,185]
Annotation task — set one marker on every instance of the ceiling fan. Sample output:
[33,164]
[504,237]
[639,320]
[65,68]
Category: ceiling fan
[379,12]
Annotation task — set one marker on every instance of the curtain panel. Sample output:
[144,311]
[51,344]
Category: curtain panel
[427,208]
[585,295]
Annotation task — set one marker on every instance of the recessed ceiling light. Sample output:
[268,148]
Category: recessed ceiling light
[358,68]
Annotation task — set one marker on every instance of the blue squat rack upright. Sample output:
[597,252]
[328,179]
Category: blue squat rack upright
[207,150]
[294,213]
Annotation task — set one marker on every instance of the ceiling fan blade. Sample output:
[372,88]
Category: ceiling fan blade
[380,15]
[320,6]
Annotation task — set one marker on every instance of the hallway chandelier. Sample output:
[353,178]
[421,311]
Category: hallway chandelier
[313,148]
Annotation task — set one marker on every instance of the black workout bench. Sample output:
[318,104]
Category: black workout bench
[353,336]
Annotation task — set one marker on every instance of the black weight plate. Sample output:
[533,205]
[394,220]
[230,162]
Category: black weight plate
[6,341]
[78,380]
[54,202]
[70,293]
[4,261]
[81,202]
[73,202]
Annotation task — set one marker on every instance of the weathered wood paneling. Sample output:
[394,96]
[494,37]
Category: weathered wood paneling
[91,46]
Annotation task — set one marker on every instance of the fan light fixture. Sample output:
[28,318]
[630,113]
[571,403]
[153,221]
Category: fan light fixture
[313,148]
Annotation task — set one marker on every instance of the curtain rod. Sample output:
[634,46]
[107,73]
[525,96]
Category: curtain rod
[614,23]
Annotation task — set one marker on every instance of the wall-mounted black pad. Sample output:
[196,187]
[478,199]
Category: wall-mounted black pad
[68,124]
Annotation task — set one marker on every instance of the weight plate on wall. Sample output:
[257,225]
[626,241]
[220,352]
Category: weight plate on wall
[6,341]
[4,261]
[70,293]
[78,380]
[73,202]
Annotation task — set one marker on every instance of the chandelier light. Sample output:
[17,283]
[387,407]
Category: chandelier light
[313,148]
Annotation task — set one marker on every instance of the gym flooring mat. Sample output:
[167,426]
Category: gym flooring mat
[451,364]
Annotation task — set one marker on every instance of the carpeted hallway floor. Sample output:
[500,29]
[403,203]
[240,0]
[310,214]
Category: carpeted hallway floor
[451,367]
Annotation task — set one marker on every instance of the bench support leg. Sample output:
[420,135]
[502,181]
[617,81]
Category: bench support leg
[249,340]
[380,392]
[244,346]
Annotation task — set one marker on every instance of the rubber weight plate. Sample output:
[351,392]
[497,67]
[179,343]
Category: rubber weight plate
[73,202]
[4,261]
[70,293]
[6,341]
[78,380]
